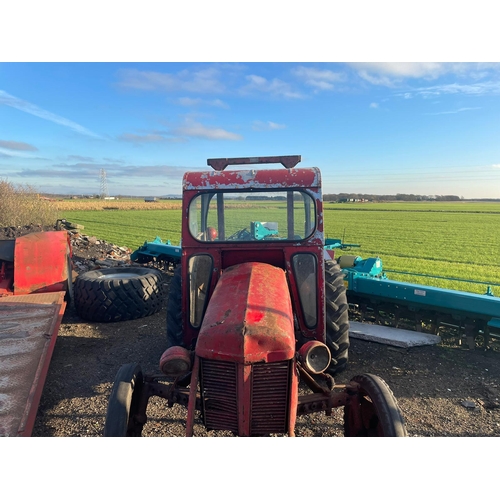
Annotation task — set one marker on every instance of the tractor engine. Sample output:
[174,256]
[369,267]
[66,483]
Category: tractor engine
[246,350]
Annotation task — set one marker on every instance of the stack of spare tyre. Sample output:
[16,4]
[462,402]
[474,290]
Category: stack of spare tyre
[118,294]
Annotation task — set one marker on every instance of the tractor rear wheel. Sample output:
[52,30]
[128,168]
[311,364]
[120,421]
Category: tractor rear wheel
[373,410]
[337,317]
[124,403]
[118,294]
[174,310]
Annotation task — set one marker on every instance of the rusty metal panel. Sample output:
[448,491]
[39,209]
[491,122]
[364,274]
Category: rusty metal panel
[289,161]
[253,179]
[220,394]
[249,317]
[41,262]
[28,330]
[249,400]
[270,394]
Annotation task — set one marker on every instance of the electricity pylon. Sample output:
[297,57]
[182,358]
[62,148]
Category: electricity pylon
[104,184]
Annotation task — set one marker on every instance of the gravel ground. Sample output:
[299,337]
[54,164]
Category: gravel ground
[431,383]
[442,390]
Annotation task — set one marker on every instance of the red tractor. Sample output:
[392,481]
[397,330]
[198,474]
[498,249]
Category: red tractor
[255,306]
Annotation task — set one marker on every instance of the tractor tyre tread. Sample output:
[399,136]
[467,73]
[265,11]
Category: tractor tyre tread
[123,402]
[174,310]
[100,298]
[337,317]
[385,404]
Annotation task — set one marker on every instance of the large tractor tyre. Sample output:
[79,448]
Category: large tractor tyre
[118,294]
[373,410]
[174,310]
[337,317]
[124,402]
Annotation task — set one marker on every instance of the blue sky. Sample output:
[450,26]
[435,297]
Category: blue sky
[378,128]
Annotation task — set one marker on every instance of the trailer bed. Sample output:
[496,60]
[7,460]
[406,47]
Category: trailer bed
[28,329]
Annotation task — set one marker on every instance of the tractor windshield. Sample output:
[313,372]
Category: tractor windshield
[252,216]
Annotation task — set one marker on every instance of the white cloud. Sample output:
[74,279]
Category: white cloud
[451,112]
[203,81]
[496,165]
[188,128]
[393,73]
[262,126]
[113,160]
[80,158]
[373,105]
[188,101]
[479,88]
[114,173]
[374,71]
[17,146]
[32,109]
[9,153]
[275,87]
[218,103]
[318,78]
[192,102]
[146,138]
[195,129]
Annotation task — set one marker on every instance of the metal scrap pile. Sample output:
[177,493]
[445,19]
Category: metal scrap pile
[91,253]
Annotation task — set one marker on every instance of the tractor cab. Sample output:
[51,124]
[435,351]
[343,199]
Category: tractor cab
[253,216]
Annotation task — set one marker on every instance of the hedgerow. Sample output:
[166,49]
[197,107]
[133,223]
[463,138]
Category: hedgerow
[23,206]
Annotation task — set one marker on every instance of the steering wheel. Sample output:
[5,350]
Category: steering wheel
[243,234]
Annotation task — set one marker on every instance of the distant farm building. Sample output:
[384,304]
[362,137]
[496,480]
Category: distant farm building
[353,200]
[150,199]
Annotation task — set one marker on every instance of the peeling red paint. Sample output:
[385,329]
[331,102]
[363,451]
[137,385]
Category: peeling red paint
[249,318]
[258,179]
[41,262]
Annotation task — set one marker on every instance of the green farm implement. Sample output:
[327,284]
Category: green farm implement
[157,253]
[396,303]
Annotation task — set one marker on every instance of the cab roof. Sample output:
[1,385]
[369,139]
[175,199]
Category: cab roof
[252,179]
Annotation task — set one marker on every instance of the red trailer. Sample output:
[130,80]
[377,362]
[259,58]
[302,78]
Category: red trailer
[35,282]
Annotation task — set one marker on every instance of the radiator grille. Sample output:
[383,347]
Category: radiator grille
[270,398]
[219,390]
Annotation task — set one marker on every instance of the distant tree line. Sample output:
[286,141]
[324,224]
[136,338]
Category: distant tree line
[265,198]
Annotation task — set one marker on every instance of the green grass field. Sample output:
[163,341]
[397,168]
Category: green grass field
[456,240]
[129,228]
[444,242]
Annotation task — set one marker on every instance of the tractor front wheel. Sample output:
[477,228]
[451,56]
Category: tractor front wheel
[372,410]
[337,317]
[121,416]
